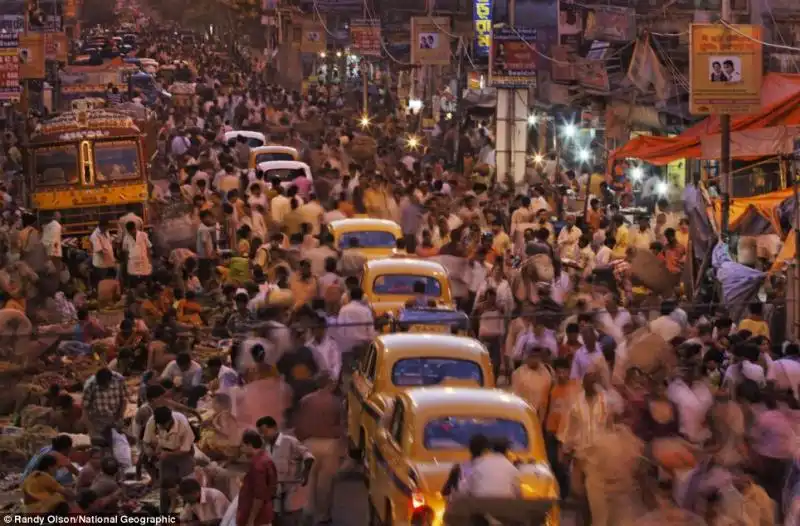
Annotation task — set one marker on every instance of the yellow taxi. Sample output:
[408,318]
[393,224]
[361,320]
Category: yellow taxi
[427,432]
[373,238]
[388,284]
[396,362]
[272,152]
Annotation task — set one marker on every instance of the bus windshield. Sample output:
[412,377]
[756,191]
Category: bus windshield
[56,166]
[115,161]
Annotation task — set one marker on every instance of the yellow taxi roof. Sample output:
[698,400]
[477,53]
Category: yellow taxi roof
[476,400]
[403,344]
[365,224]
[406,266]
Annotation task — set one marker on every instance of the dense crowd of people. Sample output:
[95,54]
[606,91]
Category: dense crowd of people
[235,352]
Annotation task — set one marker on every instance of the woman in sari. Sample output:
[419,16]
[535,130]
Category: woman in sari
[189,310]
[41,492]
[219,436]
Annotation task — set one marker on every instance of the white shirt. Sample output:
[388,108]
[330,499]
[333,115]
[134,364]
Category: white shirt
[584,362]
[51,238]
[693,405]
[179,437]
[327,354]
[355,312]
[492,476]
[787,375]
[212,506]
[102,249]
[529,340]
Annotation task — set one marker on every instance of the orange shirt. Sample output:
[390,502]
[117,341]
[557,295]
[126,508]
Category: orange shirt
[561,397]
[593,217]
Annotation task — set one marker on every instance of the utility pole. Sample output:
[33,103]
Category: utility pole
[725,176]
[364,92]
[457,114]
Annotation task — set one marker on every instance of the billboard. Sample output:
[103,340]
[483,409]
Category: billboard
[430,42]
[313,39]
[10,89]
[365,37]
[12,16]
[725,68]
[31,56]
[512,63]
[482,20]
[44,16]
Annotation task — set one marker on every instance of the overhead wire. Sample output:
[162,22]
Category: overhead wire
[372,18]
[780,35]
[321,20]
[753,39]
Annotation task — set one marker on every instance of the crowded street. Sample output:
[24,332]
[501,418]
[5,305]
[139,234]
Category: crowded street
[261,265]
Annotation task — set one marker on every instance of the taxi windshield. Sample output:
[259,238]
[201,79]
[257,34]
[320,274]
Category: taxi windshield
[274,156]
[57,165]
[116,160]
[455,432]
[415,372]
[402,284]
[368,239]
[286,175]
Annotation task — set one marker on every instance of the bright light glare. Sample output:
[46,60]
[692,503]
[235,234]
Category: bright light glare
[339,54]
[570,130]
[662,188]
[415,104]
[584,155]
[448,116]
[364,121]
[532,120]
[637,173]
[538,158]
[413,142]
[322,54]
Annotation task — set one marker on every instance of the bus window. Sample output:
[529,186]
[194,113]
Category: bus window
[56,166]
[116,161]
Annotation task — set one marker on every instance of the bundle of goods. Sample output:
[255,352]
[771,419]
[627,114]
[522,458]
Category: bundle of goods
[362,148]
[10,368]
[46,379]
[650,271]
[309,127]
[649,348]
[18,445]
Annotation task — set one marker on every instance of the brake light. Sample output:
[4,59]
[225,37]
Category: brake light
[417,500]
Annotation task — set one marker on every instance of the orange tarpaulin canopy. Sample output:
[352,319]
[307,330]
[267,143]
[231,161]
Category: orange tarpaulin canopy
[664,150]
[765,205]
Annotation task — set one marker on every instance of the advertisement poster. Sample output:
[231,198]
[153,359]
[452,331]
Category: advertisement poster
[55,46]
[725,68]
[12,16]
[365,37]
[610,24]
[31,56]
[430,44]
[10,89]
[44,16]
[512,63]
[562,69]
[314,38]
[570,25]
[482,19]
[70,9]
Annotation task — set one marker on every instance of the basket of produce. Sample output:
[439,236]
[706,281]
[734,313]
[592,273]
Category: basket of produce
[363,148]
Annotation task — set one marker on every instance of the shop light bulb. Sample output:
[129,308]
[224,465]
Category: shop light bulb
[364,121]
[415,104]
[637,173]
[538,158]
[413,142]
[532,120]
[662,188]
[339,54]
[322,54]
[584,155]
[570,130]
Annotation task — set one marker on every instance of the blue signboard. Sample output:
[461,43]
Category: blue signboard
[482,18]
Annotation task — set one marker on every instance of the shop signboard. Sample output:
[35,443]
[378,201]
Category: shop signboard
[313,38]
[365,37]
[31,56]
[512,63]
[725,68]
[610,24]
[482,19]
[430,41]
[44,16]
[10,89]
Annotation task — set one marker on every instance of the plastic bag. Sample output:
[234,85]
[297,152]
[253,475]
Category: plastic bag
[121,449]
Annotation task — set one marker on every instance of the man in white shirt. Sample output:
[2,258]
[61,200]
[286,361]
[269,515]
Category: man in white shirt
[537,335]
[169,438]
[187,376]
[493,475]
[693,400]
[356,323]
[202,505]
[102,252]
[51,236]
[326,350]
[589,358]
[568,239]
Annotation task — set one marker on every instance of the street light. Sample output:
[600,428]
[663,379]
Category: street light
[364,122]
[538,158]
[569,130]
[412,142]
[532,120]
[637,173]
[584,155]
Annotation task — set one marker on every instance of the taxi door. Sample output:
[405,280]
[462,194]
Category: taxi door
[361,385]
[392,489]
